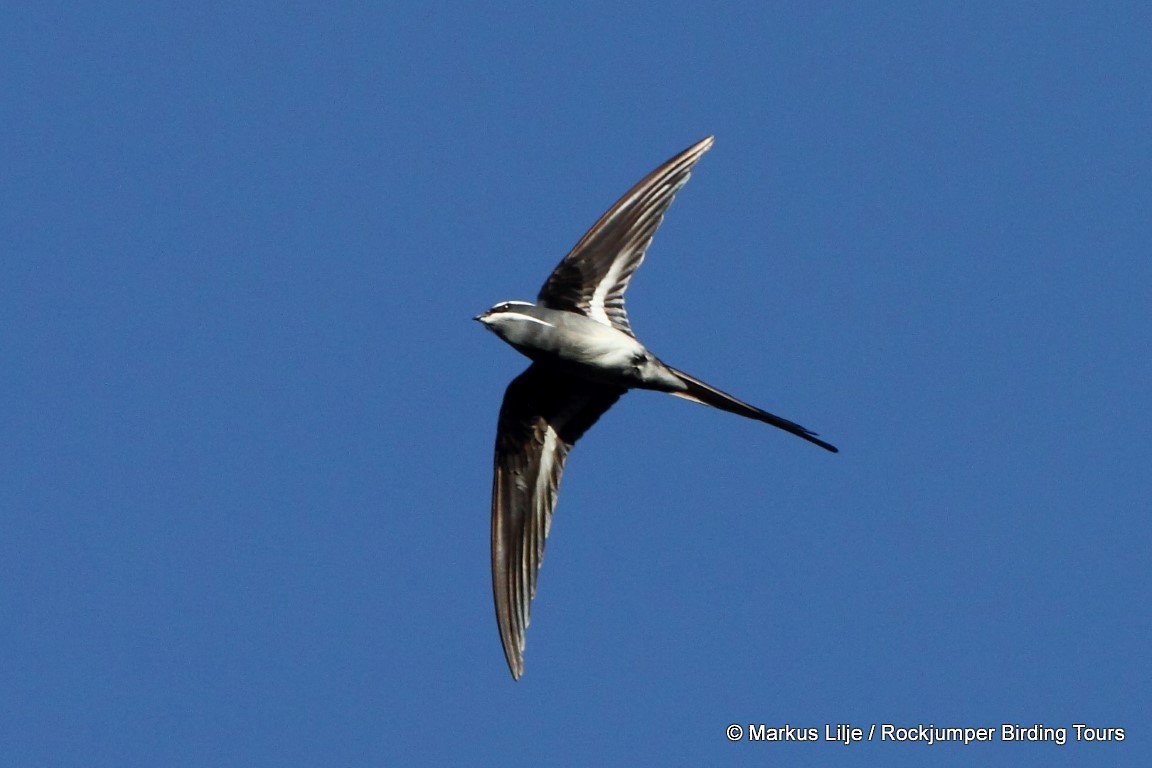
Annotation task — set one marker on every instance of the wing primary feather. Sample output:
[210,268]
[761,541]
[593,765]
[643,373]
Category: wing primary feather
[594,275]
[543,415]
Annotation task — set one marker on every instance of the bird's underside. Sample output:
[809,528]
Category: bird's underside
[580,370]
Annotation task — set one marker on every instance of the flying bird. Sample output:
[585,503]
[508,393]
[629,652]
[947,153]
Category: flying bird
[584,357]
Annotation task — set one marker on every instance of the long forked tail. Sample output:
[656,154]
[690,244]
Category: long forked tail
[699,392]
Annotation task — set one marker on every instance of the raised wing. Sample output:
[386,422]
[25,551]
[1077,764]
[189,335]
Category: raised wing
[592,278]
[542,417]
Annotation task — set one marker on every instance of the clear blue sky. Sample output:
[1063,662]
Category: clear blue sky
[246,449]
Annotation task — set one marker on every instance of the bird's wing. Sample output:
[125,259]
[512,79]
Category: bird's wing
[542,417]
[592,278]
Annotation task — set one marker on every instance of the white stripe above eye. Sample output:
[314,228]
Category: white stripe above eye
[520,316]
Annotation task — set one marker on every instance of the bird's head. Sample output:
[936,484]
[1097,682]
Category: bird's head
[503,318]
